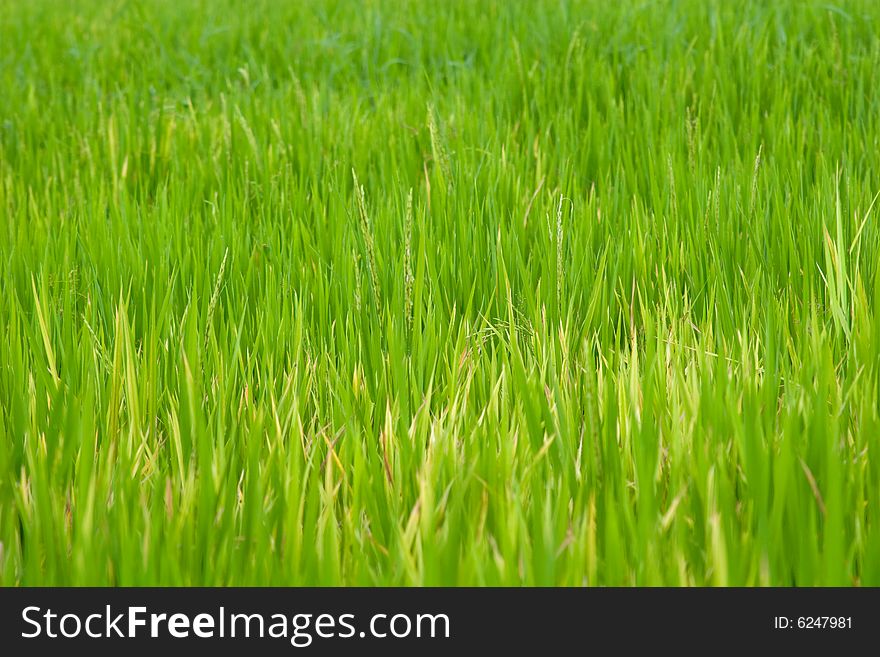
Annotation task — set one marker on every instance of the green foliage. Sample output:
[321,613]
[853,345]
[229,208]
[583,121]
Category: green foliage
[599,305]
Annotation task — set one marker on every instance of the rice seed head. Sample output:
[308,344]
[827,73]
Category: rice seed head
[408,278]
[438,150]
[559,268]
[215,297]
[367,235]
[754,191]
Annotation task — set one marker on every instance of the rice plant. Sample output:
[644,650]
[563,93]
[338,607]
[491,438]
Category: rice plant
[598,307]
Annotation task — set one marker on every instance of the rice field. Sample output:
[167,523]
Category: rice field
[439,293]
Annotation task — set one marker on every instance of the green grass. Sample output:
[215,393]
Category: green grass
[602,309]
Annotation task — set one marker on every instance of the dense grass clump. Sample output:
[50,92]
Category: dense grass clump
[374,292]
